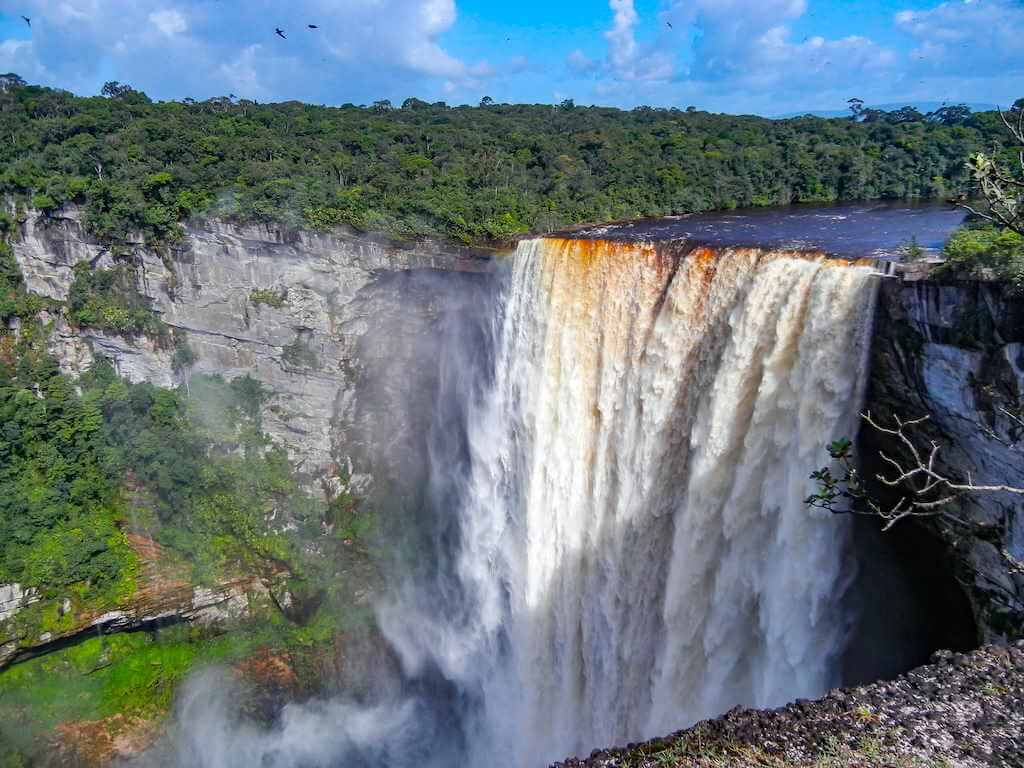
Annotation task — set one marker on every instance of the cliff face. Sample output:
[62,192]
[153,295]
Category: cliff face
[290,309]
[956,353]
[343,332]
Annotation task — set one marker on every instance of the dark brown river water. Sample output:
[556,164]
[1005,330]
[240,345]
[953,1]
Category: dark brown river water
[859,230]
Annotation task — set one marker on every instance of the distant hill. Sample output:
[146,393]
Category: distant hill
[921,106]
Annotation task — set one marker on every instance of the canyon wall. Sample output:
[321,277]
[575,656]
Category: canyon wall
[955,352]
[348,341]
[294,310]
[342,331]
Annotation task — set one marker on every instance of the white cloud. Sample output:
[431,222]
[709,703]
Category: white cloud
[18,56]
[360,50]
[627,61]
[71,12]
[580,63]
[517,64]
[963,38]
[774,59]
[735,49]
[169,21]
[437,15]
[425,54]
[242,73]
[746,43]
[621,39]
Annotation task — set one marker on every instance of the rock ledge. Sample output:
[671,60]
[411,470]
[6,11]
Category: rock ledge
[960,710]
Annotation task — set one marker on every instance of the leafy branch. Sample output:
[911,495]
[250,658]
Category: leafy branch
[1002,188]
[923,490]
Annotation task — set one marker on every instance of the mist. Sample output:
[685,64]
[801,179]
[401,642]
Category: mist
[590,465]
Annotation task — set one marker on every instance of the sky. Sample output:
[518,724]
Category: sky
[765,57]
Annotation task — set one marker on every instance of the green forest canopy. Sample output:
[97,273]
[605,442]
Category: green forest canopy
[473,174]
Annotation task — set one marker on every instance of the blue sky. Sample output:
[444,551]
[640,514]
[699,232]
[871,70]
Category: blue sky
[761,56]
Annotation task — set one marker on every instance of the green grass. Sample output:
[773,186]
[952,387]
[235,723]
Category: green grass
[269,296]
[131,674]
[137,675]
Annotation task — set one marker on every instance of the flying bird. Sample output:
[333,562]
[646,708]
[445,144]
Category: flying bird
[27,20]
[670,25]
[313,26]
[280,33]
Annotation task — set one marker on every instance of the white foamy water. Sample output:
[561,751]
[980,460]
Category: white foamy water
[635,553]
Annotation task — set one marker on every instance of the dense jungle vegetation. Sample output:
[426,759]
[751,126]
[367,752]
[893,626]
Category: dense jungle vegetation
[93,465]
[473,174]
[82,461]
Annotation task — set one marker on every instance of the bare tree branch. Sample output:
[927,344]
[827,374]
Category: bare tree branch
[924,491]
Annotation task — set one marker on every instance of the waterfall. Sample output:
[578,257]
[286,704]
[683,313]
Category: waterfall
[634,552]
[619,464]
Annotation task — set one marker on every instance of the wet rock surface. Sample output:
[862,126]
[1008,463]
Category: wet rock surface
[959,710]
[953,352]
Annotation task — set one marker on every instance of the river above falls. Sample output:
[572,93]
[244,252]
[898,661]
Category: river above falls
[858,230]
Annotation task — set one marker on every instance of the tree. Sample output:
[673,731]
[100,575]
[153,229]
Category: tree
[912,251]
[923,492]
[413,103]
[122,92]
[906,114]
[856,107]
[289,162]
[1002,188]
[956,114]
[115,90]
[10,81]
[486,101]
[873,116]
[341,163]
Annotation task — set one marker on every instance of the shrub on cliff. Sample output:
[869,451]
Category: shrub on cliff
[986,251]
[107,299]
[80,462]
[992,246]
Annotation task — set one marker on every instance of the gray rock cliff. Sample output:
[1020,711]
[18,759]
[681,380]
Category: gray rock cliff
[302,344]
[955,352]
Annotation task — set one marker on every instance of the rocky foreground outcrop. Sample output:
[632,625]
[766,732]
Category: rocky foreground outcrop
[962,710]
